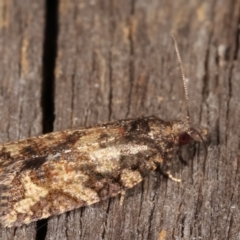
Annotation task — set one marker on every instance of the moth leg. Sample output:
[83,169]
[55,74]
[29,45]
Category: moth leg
[172,177]
[165,169]
[122,196]
[180,157]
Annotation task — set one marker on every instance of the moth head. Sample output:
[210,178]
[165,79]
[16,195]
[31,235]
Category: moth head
[184,134]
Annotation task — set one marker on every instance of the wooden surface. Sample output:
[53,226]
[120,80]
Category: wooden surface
[115,60]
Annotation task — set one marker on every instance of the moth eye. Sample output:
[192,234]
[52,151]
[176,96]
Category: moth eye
[184,138]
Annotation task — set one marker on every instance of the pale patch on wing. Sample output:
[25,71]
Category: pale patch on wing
[108,159]
[33,193]
[67,178]
[53,157]
[78,190]
[130,178]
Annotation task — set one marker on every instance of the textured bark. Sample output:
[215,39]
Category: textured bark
[21,43]
[116,60]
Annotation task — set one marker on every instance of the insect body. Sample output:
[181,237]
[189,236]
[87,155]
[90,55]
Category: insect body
[61,171]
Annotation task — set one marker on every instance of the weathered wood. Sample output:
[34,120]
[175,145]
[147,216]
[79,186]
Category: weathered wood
[115,60]
[21,41]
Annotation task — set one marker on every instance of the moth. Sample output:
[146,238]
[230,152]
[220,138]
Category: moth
[60,171]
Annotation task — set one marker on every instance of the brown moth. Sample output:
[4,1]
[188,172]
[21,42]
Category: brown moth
[57,172]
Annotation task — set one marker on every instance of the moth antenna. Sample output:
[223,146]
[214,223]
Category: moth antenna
[186,96]
[183,79]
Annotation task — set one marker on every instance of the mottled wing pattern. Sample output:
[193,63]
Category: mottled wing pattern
[57,172]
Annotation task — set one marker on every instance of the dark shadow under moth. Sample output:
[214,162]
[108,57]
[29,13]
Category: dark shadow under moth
[57,172]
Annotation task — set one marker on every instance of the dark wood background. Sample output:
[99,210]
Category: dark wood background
[74,63]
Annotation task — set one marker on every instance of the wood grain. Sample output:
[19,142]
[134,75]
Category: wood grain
[21,42]
[116,60]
